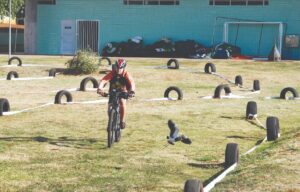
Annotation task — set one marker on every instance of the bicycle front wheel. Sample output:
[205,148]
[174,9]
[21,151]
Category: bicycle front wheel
[111,128]
[118,129]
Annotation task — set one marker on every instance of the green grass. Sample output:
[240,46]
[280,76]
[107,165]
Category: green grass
[63,148]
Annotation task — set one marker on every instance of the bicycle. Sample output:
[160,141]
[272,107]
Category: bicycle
[113,128]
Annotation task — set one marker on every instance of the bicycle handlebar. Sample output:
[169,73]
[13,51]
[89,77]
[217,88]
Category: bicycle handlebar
[123,95]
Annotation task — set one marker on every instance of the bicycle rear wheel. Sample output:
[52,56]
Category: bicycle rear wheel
[111,128]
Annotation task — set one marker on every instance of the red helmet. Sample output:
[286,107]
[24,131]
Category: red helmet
[120,63]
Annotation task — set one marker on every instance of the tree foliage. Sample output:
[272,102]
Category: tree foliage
[15,6]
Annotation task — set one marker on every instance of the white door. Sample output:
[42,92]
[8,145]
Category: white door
[68,37]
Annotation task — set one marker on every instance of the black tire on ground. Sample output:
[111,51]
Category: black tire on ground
[4,106]
[219,89]
[272,128]
[231,154]
[52,72]
[239,80]
[278,126]
[210,66]
[62,93]
[176,89]
[12,74]
[15,58]
[288,89]
[86,80]
[256,85]
[175,61]
[105,58]
[193,185]
[251,110]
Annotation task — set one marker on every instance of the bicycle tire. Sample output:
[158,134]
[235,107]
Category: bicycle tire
[110,130]
[117,129]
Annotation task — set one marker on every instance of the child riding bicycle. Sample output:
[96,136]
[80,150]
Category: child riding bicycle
[120,80]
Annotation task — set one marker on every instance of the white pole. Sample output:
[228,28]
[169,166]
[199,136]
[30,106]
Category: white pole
[280,38]
[9,30]
[225,33]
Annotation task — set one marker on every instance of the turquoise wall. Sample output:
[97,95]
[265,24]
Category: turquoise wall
[192,19]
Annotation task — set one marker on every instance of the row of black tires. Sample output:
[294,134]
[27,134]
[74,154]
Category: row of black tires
[59,95]
[217,93]
[231,157]
[96,84]
[171,64]
[5,106]
[256,84]
[232,149]
[210,68]
[108,60]
[18,59]
[14,74]
[272,123]
[86,80]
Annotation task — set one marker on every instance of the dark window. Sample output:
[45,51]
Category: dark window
[151,2]
[47,2]
[167,2]
[239,2]
[135,2]
[255,2]
[222,2]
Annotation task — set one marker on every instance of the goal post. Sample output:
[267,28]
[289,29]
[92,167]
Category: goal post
[227,25]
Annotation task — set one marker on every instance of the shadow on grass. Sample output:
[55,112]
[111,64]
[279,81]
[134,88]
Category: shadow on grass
[206,166]
[79,143]
[58,70]
[200,72]
[257,125]
[242,118]
[240,137]
[245,90]
[213,177]
[259,142]
[231,117]
[209,166]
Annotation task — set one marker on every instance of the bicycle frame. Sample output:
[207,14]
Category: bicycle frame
[114,131]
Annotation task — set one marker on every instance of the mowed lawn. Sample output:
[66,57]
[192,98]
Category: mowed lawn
[63,147]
